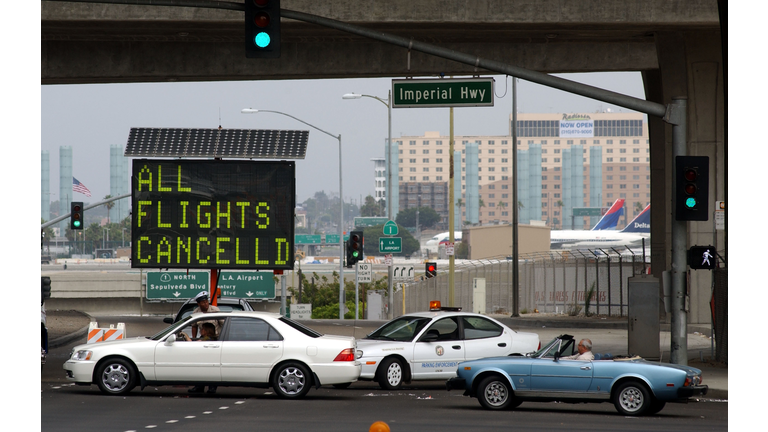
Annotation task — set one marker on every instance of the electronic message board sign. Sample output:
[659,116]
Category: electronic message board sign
[212,214]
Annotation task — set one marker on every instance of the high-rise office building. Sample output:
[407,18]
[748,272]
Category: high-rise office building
[558,153]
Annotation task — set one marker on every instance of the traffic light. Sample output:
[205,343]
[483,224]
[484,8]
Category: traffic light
[76,216]
[692,188]
[45,287]
[430,269]
[702,257]
[354,248]
[262,28]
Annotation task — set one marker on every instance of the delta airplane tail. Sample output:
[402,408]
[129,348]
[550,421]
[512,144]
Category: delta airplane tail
[641,223]
[611,218]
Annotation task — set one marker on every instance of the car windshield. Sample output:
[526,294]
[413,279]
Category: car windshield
[170,329]
[550,348]
[401,329]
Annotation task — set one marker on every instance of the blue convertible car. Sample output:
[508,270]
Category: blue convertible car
[635,386]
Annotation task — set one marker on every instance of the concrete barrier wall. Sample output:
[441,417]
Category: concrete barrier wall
[115,292]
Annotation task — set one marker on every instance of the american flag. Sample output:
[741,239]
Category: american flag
[79,187]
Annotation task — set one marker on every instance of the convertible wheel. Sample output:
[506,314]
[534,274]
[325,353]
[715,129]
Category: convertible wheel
[116,377]
[632,398]
[291,380]
[494,393]
[391,374]
[342,386]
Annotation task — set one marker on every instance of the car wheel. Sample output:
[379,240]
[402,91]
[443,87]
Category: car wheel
[342,386]
[116,377]
[632,399]
[495,393]
[656,406]
[391,374]
[291,380]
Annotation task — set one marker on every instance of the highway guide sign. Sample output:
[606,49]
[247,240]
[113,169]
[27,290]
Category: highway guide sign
[390,245]
[444,92]
[176,285]
[204,214]
[390,228]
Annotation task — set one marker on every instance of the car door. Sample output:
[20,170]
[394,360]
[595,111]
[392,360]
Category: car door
[438,359]
[484,338]
[188,360]
[250,347]
[568,376]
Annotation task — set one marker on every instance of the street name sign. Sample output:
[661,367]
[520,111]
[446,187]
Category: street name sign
[390,245]
[588,211]
[439,93]
[390,228]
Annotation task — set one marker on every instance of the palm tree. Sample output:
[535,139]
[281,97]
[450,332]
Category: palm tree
[109,206]
[560,205]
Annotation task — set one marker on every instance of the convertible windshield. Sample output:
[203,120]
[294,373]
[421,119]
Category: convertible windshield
[170,328]
[402,329]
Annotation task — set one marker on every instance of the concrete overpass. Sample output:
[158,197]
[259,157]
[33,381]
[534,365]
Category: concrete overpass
[676,44]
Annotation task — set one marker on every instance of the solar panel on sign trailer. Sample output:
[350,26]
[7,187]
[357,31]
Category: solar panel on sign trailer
[230,143]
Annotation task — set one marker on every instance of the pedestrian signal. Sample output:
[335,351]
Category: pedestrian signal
[702,257]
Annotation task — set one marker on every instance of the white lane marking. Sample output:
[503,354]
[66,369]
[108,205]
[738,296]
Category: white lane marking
[172,421]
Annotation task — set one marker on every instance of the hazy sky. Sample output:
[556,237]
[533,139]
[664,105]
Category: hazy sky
[91,118]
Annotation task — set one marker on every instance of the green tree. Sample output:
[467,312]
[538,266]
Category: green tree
[428,217]
[371,208]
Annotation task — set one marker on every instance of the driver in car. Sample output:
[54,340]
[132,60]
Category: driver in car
[585,351]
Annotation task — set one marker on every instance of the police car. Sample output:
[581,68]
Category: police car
[430,345]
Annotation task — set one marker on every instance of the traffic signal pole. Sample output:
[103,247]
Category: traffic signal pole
[679,324]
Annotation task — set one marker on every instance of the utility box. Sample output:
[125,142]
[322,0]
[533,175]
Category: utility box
[375,308]
[478,295]
[643,314]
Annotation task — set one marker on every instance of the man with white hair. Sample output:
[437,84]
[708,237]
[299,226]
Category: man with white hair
[585,351]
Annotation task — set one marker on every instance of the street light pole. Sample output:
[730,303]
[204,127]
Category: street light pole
[341,205]
[388,156]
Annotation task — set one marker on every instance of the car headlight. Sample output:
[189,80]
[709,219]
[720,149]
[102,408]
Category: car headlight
[82,355]
[358,354]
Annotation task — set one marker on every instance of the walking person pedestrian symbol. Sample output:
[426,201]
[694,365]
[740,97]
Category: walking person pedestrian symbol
[706,256]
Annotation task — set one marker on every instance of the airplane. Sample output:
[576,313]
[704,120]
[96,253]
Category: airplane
[631,236]
[608,222]
[434,242]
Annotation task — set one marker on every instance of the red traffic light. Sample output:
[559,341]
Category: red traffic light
[690,174]
[431,268]
[261,19]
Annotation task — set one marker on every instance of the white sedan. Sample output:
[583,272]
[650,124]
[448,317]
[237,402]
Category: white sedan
[253,349]
[430,345]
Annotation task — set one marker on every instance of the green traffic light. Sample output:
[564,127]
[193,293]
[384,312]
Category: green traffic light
[262,40]
[77,224]
[355,254]
[690,202]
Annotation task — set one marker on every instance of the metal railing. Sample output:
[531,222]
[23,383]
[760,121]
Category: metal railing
[556,281]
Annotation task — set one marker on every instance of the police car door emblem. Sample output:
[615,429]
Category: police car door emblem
[439,350]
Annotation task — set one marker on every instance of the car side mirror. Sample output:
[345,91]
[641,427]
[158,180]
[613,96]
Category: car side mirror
[430,337]
[168,320]
[557,355]
[171,339]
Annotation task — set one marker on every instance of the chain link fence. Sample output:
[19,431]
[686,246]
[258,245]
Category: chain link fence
[549,282]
